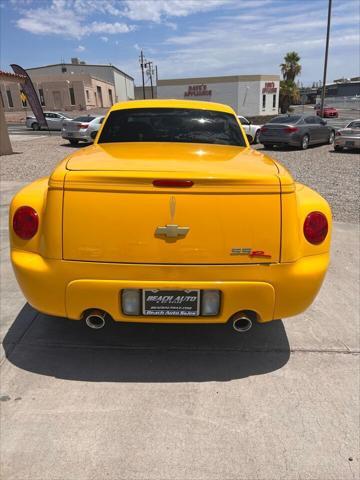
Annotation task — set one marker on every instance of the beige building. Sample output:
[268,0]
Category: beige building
[62,92]
[71,86]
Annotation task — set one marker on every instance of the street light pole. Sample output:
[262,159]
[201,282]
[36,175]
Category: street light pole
[326,60]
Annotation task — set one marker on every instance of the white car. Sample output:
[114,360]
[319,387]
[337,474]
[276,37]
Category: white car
[54,121]
[250,129]
[81,129]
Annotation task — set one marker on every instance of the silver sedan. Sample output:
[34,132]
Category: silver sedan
[54,121]
[348,137]
[81,129]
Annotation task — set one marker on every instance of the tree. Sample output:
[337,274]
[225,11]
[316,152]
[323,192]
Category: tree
[291,67]
[289,92]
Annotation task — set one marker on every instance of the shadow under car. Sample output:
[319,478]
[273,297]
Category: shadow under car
[129,352]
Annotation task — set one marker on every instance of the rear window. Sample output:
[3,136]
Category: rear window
[354,125]
[84,119]
[172,125]
[286,119]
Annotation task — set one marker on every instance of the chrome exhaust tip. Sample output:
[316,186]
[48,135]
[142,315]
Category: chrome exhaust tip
[242,323]
[95,319]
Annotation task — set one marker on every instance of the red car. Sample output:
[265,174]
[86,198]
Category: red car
[329,112]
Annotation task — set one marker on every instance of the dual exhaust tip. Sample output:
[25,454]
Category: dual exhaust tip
[95,319]
[241,322]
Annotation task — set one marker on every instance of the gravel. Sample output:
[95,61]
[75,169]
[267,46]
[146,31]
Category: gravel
[334,175]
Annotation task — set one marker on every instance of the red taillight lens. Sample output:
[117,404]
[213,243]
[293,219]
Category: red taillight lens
[315,227]
[84,125]
[25,222]
[290,129]
[173,183]
[338,134]
[264,129]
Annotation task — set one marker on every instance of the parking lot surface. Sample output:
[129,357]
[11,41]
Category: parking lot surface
[186,402]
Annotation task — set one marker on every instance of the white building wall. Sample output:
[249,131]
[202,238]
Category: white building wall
[249,98]
[243,93]
[225,92]
[271,108]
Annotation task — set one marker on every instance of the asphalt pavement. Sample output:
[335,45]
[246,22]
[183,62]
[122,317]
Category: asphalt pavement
[183,402]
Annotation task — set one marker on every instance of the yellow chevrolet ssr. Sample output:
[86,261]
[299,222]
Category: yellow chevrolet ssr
[170,216]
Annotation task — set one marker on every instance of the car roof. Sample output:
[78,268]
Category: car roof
[172,103]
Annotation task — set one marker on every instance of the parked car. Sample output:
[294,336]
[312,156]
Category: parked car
[348,137]
[53,119]
[170,217]
[296,130]
[328,112]
[251,130]
[81,129]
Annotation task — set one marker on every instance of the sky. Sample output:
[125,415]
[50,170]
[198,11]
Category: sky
[184,38]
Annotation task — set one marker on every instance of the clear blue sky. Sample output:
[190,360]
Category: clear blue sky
[183,37]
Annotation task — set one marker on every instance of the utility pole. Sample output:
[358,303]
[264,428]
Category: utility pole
[326,60]
[149,72]
[142,64]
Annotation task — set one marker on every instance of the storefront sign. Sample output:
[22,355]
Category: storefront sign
[269,88]
[197,91]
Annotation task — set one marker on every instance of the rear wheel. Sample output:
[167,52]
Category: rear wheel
[73,141]
[35,126]
[304,142]
[331,137]
[338,148]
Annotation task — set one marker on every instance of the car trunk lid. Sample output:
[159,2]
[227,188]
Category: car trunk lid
[229,214]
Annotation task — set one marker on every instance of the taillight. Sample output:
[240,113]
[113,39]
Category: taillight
[290,129]
[25,222]
[173,183]
[264,129]
[338,134]
[315,227]
[84,125]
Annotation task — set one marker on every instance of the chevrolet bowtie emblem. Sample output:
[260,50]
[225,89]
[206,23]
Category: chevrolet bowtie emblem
[172,231]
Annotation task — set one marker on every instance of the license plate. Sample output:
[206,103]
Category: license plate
[349,144]
[176,303]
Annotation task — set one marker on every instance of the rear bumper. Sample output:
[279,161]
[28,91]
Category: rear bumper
[85,137]
[344,142]
[290,140]
[68,288]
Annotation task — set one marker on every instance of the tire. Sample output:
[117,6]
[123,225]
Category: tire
[73,141]
[93,135]
[338,148]
[257,137]
[35,126]
[331,137]
[304,142]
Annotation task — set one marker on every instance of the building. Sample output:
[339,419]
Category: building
[65,92]
[249,95]
[72,86]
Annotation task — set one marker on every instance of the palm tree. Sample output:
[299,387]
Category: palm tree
[291,67]
[289,93]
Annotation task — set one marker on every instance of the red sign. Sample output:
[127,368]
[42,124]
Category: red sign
[197,91]
[269,88]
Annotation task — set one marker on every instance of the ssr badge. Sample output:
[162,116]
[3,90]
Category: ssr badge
[249,252]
